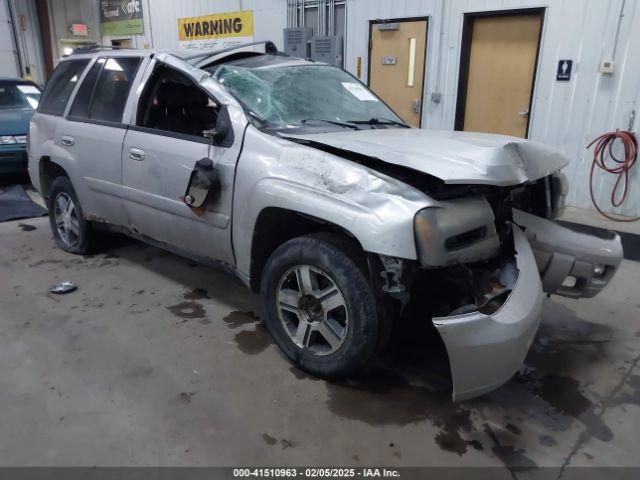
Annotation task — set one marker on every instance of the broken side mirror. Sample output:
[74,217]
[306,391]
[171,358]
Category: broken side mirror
[219,134]
[204,183]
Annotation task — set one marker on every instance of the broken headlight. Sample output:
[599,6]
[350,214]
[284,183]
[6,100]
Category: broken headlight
[559,186]
[456,231]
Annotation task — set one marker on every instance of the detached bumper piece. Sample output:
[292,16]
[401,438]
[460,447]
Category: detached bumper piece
[485,350]
[571,264]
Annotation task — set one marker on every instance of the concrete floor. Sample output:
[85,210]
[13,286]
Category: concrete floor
[155,360]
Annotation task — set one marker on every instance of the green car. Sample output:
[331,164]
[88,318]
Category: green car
[18,102]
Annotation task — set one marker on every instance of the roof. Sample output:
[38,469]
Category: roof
[242,55]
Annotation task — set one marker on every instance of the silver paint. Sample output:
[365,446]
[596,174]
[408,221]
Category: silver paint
[261,171]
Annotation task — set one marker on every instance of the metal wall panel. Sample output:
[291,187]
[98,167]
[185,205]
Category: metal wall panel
[161,24]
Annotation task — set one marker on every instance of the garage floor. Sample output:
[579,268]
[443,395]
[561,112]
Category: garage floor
[155,360]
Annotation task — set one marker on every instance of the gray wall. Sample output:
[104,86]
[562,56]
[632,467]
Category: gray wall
[8,60]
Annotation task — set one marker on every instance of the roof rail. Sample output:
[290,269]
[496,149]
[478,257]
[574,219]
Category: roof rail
[269,47]
[98,47]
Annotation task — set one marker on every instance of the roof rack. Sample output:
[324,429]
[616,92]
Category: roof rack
[97,48]
[269,48]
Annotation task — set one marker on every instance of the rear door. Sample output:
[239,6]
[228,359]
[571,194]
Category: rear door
[159,153]
[94,132]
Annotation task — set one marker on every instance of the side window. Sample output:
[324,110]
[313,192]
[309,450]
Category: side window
[171,102]
[82,100]
[60,86]
[111,91]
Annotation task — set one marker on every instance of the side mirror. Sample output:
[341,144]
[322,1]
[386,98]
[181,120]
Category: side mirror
[203,183]
[218,134]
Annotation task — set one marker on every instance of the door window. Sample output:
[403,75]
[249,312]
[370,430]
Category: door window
[112,88]
[172,103]
[60,86]
[82,100]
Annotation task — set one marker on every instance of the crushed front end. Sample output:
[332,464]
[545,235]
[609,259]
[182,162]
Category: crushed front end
[482,253]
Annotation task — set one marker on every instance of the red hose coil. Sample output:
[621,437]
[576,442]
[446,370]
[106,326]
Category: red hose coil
[621,168]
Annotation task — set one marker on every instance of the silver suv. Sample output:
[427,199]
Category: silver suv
[295,177]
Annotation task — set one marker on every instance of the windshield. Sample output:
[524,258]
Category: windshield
[19,95]
[309,95]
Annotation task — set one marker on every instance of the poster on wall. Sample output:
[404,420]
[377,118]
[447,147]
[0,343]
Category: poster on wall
[121,17]
[217,30]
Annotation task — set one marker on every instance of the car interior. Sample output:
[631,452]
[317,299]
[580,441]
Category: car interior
[173,103]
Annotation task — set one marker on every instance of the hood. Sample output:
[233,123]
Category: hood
[454,157]
[15,121]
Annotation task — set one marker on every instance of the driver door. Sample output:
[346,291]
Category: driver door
[159,153]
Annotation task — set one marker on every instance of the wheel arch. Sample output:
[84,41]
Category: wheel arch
[49,171]
[275,226]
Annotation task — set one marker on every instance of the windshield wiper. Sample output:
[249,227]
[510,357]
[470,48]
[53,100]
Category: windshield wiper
[380,121]
[333,122]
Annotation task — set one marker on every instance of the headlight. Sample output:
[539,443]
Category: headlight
[7,139]
[21,138]
[461,230]
[559,184]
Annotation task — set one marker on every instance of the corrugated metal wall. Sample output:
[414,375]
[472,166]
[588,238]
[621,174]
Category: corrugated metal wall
[160,18]
[567,115]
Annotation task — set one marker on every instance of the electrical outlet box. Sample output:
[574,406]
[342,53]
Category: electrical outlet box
[606,66]
[327,49]
[296,41]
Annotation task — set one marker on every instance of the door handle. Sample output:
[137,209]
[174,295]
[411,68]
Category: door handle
[67,141]
[136,154]
[415,106]
[524,113]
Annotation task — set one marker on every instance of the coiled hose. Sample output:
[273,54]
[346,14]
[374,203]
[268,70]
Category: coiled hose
[603,148]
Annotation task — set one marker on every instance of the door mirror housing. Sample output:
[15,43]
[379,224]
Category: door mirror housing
[203,184]
[222,134]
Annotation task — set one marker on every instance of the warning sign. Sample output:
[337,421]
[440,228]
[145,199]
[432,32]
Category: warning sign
[216,31]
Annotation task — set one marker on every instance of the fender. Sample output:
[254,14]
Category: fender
[273,172]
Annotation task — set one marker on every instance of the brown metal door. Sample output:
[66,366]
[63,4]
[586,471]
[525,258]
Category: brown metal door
[502,63]
[396,66]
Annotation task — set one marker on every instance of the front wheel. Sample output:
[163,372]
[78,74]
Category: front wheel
[319,307]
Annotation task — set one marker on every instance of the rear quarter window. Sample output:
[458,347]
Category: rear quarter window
[61,85]
[112,89]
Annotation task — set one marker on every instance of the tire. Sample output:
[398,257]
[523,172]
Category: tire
[327,334]
[71,232]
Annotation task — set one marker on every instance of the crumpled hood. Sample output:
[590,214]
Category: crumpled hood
[15,121]
[454,157]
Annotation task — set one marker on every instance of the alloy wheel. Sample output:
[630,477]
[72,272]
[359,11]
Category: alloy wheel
[65,215]
[312,310]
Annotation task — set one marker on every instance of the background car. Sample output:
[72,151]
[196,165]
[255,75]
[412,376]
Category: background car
[18,102]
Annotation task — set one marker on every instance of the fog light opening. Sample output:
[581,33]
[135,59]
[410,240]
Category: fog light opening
[599,270]
[570,281]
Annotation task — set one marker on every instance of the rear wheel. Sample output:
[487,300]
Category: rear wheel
[319,307]
[71,231]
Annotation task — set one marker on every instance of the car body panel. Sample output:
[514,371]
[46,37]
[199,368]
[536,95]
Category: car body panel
[486,350]
[14,121]
[561,253]
[273,172]
[454,157]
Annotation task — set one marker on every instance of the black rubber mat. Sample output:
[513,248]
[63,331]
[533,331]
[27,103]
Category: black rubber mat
[16,204]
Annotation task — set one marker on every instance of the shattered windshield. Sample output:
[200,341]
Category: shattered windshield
[309,95]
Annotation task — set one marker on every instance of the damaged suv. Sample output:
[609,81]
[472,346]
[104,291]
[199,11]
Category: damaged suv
[299,180]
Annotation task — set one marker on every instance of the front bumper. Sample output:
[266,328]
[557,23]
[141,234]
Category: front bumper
[13,158]
[486,350]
